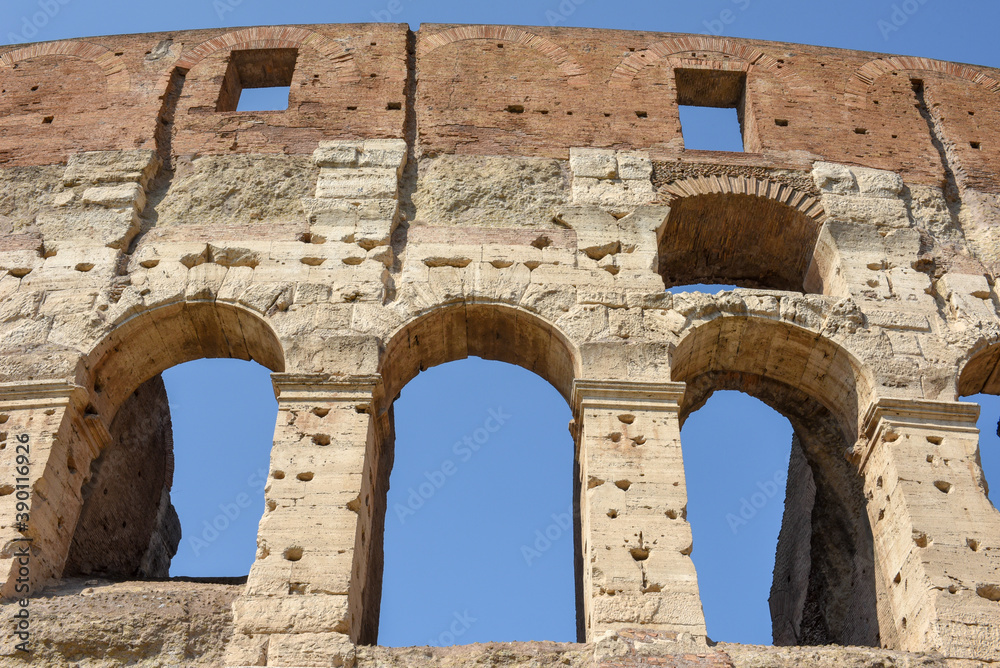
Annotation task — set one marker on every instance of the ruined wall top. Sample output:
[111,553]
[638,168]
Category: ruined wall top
[492,90]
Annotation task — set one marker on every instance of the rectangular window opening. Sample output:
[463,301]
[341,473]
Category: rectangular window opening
[711,106]
[258,80]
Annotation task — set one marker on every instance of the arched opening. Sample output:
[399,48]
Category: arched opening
[979,382]
[824,587]
[128,526]
[736,461]
[523,493]
[479,510]
[715,236]
[222,412]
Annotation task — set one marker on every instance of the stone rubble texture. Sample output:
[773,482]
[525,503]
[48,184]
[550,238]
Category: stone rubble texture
[524,195]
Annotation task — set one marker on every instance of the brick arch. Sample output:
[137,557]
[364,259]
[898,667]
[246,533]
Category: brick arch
[738,230]
[865,76]
[575,73]
[115,71]
[779,192]
[672,50]
[280,37]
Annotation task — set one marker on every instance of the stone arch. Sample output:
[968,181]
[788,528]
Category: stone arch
[979,370]
[824,588]
[717,224]
[574,72]
[151,341]
[745,58]
[113,67]
[862,79]
[131,468]
[451,332]
[488,330]
[276,37]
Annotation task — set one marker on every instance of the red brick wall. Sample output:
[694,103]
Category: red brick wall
[494,90]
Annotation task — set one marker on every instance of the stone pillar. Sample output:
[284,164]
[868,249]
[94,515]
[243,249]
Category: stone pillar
[314,588]
[636,541]
[936,533]
[47,441]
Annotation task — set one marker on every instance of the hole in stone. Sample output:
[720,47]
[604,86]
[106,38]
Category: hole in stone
[271,504]
[321,439]
[48,120]
[6,490]
[296,588]
[641,114]
[973,544]
[278,475]
[292,553]
[974,144]
[781,122]
[611,513]
[305,476]
[627,418]
[394,106]
[614,437]
[313,261]
[541,242]
[623,485]
[936,440]
[898,578]
[84,266]
[515,108]
[860,131]
[594,482]
[672,514]
[149,264]
[639,553]
[920,539]
[990,592]
[320,412]
[943,485]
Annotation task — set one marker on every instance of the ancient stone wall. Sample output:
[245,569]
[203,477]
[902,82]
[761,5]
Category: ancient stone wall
[523,195]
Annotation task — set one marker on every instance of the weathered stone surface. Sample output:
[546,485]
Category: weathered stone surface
[530,209]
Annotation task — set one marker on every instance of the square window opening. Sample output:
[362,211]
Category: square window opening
[712,105]
[258,80]
[272,98]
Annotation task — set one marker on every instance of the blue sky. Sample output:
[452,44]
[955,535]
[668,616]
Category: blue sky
[458,561]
